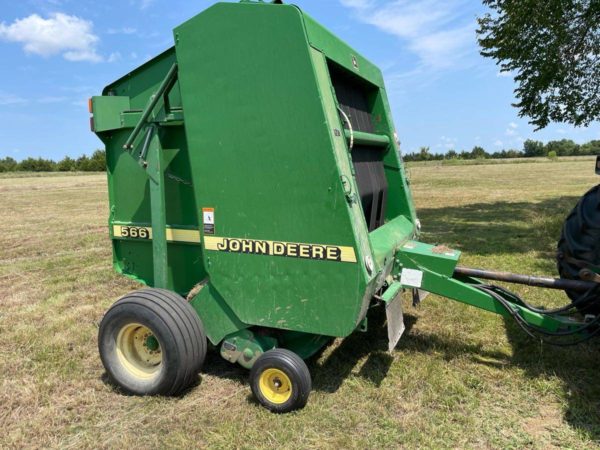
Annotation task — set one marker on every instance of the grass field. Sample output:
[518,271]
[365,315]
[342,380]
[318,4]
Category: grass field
[459,377]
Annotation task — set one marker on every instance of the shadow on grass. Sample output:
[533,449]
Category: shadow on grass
[106,380]
[576,366]
[505,228]
[499,227]
[330,373]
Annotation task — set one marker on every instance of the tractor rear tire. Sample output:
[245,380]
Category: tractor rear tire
[280,381]
[152,342]
[579,245]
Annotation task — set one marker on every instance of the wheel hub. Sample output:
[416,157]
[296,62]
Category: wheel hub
[139,351]
[275,386]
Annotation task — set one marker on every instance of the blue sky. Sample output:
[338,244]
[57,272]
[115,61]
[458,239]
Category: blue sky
[58,53]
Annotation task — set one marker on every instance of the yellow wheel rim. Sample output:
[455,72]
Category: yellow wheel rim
[139,351]
[275,386]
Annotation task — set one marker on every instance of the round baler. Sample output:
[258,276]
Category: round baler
[256,188]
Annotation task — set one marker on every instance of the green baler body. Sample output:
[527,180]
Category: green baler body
[254,137]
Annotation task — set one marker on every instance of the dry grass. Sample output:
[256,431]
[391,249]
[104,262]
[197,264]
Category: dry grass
[459,377]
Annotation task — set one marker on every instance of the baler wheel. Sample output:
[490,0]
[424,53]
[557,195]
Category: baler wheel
[280,381]
[152,342]
[579,245]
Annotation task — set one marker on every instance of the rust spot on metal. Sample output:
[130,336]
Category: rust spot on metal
[441,249]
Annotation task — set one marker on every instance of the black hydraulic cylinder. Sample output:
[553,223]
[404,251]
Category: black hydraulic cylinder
[529,280]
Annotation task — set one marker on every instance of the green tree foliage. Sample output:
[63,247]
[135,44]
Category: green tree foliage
[98,161]
[478,153]
[66,165]
[590,148]
[95,163]
[8,164]
[424,154]
[37,165]
[564,147]
[553,48]
[533,148]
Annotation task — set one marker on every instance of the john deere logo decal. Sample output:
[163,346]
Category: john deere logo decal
[279,248]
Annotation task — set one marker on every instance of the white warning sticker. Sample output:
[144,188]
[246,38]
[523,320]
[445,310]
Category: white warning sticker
[411,277]
[208,220]
[208,215]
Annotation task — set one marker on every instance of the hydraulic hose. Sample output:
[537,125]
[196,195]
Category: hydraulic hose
[539,333]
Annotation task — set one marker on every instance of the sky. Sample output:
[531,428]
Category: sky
[57,53]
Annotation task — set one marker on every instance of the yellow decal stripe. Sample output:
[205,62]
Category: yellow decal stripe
[145,233]
[279,248]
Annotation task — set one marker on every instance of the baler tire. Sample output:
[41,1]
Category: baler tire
[579,244]
[199,346]
[280,381]
[152,342]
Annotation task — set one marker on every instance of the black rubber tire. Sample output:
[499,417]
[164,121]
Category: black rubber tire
[580,240]
[295,369]
[176,326]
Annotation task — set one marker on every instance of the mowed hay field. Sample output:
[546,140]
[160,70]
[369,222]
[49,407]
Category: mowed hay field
[459,377]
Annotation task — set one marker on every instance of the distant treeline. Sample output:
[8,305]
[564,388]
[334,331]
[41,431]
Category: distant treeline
[531,148]
[94,163]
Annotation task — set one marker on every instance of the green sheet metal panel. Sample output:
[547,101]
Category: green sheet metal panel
[399,199]
[262,155]
[129,196]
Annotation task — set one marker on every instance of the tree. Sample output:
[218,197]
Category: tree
[66,164]
[83,164]
[590,148]
[36,165]
[512,153]
[98,161]
[553,47]
[533,148]
[564,147]
[424,154]
[464,155]
[8,164]
[478,152]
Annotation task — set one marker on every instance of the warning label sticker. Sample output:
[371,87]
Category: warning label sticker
[208,220]
[411,277]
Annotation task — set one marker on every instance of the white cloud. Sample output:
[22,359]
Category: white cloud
[124,30]
[7,99]
[447,142]
[145,3]
[114,57]
[434,30]
[70,36]
[511,130]
[498,143]
[358,4]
